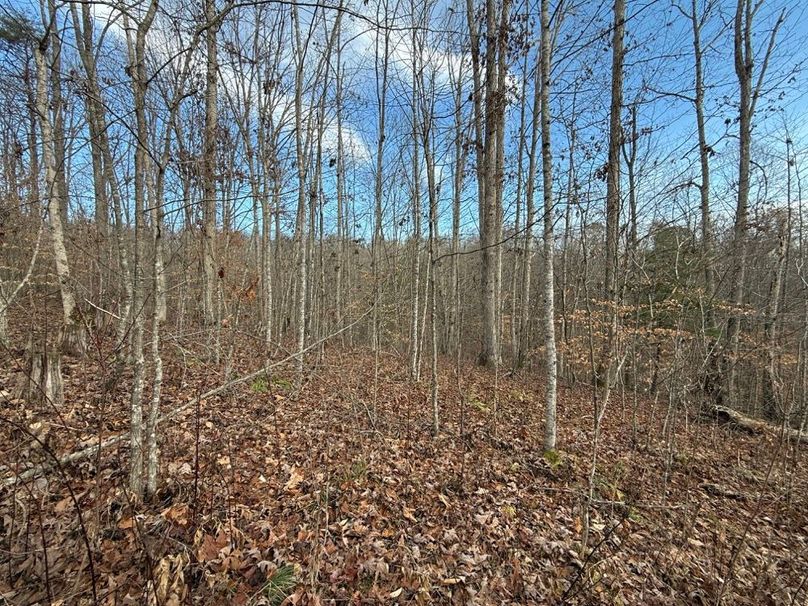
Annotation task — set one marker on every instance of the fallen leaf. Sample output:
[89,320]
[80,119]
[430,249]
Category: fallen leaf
[295,478]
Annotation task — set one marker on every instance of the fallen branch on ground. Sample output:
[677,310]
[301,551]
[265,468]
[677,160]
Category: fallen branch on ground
[755,426]
[90,451]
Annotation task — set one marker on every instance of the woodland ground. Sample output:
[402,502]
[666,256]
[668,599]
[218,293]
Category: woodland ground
[349,493]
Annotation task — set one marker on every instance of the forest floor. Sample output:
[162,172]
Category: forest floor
[338,494]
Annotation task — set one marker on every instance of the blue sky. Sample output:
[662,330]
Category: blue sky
[659,61]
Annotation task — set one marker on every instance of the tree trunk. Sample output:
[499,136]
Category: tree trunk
[704,160]
[158,317]
[4,340]
[517,225]
[772,385]
[547,282]
[415,369]
[42,385]
[300,238]
[209,166]
[57,110]
[433,237]
[83,30]
[71,338]
[530,219]
[137,58]
[459,164]
[490,219]
[605,364]
[748,94]
[339,251]
[613,167]
[381,102]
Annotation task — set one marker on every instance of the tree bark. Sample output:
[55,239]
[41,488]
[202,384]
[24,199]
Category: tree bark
[530,216]
[42,383]
[704,161]
[415,354]
[209,165]
[300,238]
[137,58]
[605,364]
[613,167]
[71,337]
[749,92]
[489,173]
[772,385]
[548,280]
[381,102]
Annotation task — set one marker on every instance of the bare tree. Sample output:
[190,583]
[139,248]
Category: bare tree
[382,62]
[606,363]
[704,153]
[301,158]
[415,349]
[530,213]
[750,86]
[71,339]
[459,161]
[613,163]
[209,164]
[489,162]
[549,246]
[136,44]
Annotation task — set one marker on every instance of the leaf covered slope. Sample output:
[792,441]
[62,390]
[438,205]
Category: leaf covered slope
[339,495]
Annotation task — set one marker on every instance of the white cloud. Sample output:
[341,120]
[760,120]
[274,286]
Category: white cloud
[166,43]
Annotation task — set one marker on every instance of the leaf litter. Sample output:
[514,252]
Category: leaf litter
[338,494]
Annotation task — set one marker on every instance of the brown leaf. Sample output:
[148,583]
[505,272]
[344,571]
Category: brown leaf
[295,478]
[177,514]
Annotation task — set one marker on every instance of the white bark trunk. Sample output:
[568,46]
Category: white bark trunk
[209,166]
[547,282]
[137,58]
[300,224]
[55,203]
